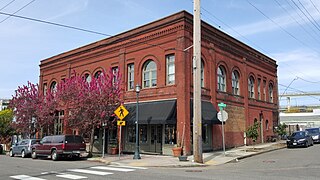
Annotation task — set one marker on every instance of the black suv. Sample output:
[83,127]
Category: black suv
[60,146]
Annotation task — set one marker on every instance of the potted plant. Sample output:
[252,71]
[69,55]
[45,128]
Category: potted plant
[177,150]
[114,149]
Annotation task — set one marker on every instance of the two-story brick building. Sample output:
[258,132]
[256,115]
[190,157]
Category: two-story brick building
[157,57]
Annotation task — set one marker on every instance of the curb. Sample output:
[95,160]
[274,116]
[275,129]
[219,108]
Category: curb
[261,152]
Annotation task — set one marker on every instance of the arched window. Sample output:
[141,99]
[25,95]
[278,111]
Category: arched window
[267,124]
[97,74]
[149,74]
[235,83]
[53,87]
[251,87]
[270,93]
[87,77]
[221,79]
[202,74]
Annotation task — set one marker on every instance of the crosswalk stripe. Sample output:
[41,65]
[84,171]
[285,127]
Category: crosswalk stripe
[112,168]
[25,177]
[71,176]
[90,172]
[131,167]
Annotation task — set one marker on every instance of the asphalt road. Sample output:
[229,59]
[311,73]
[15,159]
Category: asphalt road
[297,163]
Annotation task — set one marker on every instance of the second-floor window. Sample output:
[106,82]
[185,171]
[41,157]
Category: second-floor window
[235,83]
[221,79]
[264,90]
[130,76]
[149,74]
[251,87]
[259,89]
[53,87]
[114,74]
[270,93]
[170,69]
[87,77]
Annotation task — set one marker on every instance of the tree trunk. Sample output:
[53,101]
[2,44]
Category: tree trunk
[91,141]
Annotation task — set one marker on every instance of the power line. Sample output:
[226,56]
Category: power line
[17,11]
[302,27]
[234,30]
[55,24]
[315,6]
[76,28]
[314,22]
[7,5]
[281,27]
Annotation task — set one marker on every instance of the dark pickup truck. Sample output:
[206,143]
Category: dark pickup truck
[60,146]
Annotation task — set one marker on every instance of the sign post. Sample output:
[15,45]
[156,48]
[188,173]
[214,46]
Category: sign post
[121,113]
[222,116]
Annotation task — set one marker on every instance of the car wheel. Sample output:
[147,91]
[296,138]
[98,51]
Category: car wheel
[11,153]
[23,154]
[34,154]
[54,155]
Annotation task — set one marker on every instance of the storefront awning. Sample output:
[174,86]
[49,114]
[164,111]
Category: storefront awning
[209,113]
[156,112]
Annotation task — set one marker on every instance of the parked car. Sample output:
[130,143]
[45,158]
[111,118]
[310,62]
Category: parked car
[60,146]
[315,134]
[299,138]
[23,147]
[1,149]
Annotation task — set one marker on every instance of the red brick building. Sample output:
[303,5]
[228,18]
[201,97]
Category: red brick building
[156,56]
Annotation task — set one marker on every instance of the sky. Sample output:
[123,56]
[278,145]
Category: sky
[286,30]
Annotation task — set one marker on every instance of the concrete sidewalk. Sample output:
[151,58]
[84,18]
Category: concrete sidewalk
[211,158]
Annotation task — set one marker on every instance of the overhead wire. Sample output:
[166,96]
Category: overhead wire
[17,11]
[312,21]
[7,5]
[74,28]
[315,6]
[293,18]
[284,30]
[234,30]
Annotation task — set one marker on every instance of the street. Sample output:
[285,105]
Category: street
[296,163]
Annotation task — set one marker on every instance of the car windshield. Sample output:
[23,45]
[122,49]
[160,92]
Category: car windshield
[74,139]
[313,131]
[34,141]
[298,134]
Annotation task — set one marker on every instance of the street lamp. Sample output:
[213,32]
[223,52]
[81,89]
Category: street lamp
[136,152]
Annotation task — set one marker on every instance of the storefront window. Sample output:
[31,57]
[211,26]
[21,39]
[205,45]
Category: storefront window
[205,138]
[143,134]
[132,134]
[170,134]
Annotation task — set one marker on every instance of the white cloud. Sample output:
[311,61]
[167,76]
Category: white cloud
[300,62]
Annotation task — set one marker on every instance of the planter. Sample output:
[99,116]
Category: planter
[183,158]
[114,150]
[177,151]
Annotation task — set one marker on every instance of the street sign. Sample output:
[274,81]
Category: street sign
[121,123]
[121,112]
[222,105]
[222,115]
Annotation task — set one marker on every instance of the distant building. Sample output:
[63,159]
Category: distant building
[159,58]
[4,103]
[301,120]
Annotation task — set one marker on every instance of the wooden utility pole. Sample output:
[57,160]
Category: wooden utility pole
[197,126]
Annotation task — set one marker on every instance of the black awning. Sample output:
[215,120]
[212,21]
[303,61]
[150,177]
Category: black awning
[156,112]
[209,113]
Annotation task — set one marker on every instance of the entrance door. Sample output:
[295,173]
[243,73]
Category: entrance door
[156,139]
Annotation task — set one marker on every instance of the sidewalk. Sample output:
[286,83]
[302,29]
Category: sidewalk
[211,158]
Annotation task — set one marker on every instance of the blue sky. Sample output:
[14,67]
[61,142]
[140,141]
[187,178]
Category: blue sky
[278,28]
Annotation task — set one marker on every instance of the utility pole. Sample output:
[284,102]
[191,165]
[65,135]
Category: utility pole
[197,126]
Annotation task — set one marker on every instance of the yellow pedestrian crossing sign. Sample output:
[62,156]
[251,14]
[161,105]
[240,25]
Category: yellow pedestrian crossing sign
[121,112]
[121,123]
